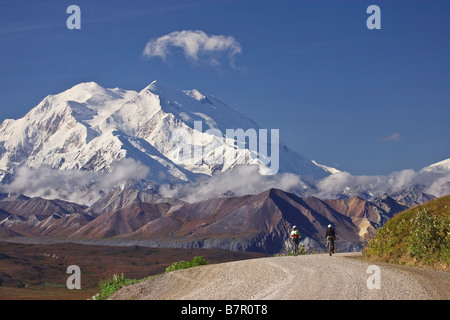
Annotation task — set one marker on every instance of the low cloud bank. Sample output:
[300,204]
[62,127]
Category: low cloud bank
[434,182]
[244,180]
[85,187]
[82,187]
[239,181]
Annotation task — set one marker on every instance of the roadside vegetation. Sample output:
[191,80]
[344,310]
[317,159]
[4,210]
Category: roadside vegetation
[419,236]
[115,283]
[290,252]
[196,261]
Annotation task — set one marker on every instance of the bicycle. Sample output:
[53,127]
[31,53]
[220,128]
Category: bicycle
[295,246]
[330,245]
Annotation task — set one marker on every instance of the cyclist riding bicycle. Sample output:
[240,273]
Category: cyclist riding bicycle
[330,236]
[295,238]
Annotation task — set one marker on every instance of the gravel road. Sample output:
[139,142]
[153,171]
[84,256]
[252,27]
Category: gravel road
[342,276]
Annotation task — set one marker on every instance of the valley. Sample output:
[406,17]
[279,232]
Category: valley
[38,271]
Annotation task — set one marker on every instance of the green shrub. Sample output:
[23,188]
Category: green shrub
[429,240]
[112,285]
[196,261]
[301,250]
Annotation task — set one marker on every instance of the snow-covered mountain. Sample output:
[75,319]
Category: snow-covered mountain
[443,165]
[406,186]
[88,127]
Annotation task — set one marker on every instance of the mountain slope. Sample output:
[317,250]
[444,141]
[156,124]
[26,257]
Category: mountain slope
[121,221]
[418,236]
[40,217]
[118,199]
[58,131]
[443,165]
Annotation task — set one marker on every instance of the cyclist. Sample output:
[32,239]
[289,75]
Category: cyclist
[330,236]
[295,238]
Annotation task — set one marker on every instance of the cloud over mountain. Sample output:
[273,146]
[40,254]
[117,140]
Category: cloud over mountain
[435,182]
[82,187]
[196,45]
[239,181]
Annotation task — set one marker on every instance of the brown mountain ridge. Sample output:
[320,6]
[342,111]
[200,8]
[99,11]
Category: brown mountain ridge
[258,223]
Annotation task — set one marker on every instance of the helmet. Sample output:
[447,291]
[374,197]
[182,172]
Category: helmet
[294,227]
[329,226]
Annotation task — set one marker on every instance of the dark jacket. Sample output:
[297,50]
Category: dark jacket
[330,233]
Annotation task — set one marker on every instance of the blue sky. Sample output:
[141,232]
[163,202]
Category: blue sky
[365,101]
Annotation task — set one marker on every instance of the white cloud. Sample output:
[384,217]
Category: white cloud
[333,186]
[195,44]
[393,137]
[247,180]
[83,187]
[239,181]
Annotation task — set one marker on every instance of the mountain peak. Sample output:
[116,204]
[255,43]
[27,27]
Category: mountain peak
[89,92]
[89,127]
[157,86]
[86,87]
